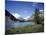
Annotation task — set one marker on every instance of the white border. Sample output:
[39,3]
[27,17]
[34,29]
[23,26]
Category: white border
[2,17]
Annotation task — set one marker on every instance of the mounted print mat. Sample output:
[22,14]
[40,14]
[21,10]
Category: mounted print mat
[23,17]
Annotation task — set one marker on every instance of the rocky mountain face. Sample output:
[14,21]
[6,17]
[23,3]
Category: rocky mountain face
[10,16]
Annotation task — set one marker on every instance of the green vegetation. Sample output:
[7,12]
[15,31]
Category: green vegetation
[37,18]
[20,30]
[26,29]
[39,22]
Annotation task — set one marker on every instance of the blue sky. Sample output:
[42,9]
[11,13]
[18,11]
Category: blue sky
[23,8]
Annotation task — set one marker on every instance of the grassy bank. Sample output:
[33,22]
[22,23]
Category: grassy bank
[26,29]
[20,29]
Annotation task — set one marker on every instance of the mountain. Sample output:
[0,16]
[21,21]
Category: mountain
[29,18]
[18,16]
[10,16]
[15,17]
[21,19]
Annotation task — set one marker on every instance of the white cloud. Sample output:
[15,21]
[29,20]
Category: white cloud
[41,10]
[16,15]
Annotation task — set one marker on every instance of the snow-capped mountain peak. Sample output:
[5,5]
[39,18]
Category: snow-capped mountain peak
[27,17]
[16,15]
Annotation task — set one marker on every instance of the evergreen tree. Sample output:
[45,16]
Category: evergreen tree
[37,18]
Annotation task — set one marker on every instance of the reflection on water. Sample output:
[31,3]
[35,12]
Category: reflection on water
[12,24]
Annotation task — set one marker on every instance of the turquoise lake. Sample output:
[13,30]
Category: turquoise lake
[13,24]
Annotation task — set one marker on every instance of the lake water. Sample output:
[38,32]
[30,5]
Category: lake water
[12,24]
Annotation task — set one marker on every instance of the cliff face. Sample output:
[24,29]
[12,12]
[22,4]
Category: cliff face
[10,16]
